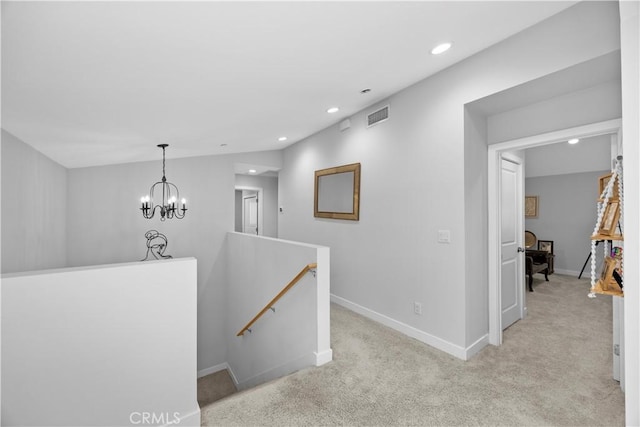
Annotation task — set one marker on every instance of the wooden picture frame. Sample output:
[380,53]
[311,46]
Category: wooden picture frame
[610,218]
[531,206]
[337,192]
[606,275]
[602,183]
[546,246]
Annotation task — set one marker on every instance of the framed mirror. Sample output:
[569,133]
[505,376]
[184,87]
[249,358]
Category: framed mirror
[337,192]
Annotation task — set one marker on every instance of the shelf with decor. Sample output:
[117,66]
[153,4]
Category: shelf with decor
[608,230]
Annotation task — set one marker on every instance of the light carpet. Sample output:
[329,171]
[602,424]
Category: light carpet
[554,368]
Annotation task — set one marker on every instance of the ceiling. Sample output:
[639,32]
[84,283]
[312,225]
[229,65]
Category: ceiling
[94,83]
[589,155]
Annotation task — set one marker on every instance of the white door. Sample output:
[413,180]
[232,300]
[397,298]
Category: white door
[511,235]
[250,215]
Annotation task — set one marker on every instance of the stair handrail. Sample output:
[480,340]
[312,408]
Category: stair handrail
[307,268]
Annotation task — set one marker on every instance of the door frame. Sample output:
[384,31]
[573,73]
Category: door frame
[260,209]
[495,151]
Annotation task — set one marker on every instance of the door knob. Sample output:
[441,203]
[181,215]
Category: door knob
[520,249]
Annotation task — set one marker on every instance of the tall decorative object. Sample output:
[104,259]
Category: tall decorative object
[156,245]
[169,206]
[609,219]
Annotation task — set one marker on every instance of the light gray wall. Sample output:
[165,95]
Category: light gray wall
[599,103]
[34,208]
[105,225]
[269,200]
[87,347]
[420,175]
[297,334]
[566,215]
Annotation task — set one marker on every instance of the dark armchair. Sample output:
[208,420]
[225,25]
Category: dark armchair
[537,262]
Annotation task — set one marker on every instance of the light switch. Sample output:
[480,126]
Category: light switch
[444,236]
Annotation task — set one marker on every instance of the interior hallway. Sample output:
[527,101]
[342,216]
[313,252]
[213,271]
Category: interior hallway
[553,369]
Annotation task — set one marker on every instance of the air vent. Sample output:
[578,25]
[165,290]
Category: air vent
[378,116]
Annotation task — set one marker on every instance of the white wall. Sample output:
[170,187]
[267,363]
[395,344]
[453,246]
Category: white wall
[105,225]
[590,105]
[566,214]
[269,200]
[416,180]
[98,346]
[34,208]
[297,334]
[630,47]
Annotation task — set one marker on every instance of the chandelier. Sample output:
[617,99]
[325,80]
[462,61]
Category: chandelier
[169,208]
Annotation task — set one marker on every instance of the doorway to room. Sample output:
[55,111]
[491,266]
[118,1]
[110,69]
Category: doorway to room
[497,281]
[256,200]
[495,201]
[249,214]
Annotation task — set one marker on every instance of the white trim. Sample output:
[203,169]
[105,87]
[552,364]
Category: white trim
[323,357]
[474,348]
[571,273]
[218,368]
[212,370]
[493,157]
[433,341]
[495,319]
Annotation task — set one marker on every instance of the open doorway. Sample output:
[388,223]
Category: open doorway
[248,211]
[497,153]
[256,200]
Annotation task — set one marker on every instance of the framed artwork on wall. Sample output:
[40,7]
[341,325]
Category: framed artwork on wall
[531,206]
[545,245]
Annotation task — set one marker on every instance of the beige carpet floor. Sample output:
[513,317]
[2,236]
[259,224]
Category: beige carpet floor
[554,369]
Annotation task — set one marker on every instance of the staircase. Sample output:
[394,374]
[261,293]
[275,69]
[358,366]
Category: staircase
[214,387]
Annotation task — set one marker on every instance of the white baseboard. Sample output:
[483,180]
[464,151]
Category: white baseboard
[214,369]
[572,273]
[474,348]
[315,359]
[433,341]
[323,357]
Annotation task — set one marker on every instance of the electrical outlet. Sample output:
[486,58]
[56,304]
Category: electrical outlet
[417,308]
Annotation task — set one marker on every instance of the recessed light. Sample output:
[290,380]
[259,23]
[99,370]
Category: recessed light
[441,48]
[573,141]
[252,171]
[333,110]
[282,138]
